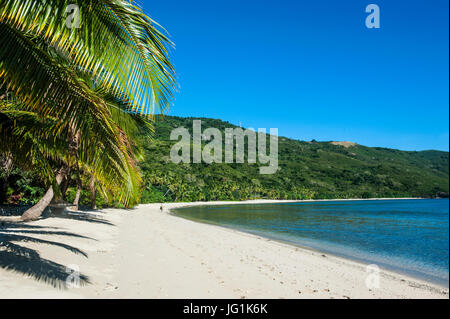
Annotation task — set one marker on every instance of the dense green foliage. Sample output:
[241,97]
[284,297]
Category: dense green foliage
[308,170]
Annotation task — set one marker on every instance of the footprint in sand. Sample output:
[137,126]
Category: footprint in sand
[110,287]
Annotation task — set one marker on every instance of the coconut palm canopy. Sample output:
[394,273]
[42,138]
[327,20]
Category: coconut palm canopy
[72,82]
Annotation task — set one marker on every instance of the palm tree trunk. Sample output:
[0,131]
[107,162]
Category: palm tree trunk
[76,201]
[93,192]
[36,211]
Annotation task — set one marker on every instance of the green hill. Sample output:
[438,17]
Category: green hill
[307,170]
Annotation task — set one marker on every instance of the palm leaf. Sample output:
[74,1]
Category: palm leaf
[123,49]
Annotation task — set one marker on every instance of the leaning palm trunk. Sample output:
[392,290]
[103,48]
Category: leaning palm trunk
[36,211]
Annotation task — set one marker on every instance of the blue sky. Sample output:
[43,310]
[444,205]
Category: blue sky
[312,69]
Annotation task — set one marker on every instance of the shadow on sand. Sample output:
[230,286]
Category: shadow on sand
[18,258]
[81,216]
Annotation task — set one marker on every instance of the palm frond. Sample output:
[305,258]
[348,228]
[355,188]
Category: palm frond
[123,49]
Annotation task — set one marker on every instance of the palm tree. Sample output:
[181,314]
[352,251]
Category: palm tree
[24,136]
[109,159]
[66,76]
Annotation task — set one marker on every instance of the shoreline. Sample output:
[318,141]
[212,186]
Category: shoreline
[395,271]
[146,253]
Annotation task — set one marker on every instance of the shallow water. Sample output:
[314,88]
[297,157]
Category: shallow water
[409,236]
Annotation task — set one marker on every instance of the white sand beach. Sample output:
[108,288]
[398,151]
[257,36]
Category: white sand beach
[149,253]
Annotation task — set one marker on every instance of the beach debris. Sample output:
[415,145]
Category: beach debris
[324,255]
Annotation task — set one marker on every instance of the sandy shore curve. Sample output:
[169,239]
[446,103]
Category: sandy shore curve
[149,253]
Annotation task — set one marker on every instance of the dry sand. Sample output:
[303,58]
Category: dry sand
[148,253]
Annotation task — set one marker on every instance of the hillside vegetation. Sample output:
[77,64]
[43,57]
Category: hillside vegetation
[308,170]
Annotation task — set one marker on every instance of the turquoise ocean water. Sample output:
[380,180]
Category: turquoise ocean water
[408,236]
